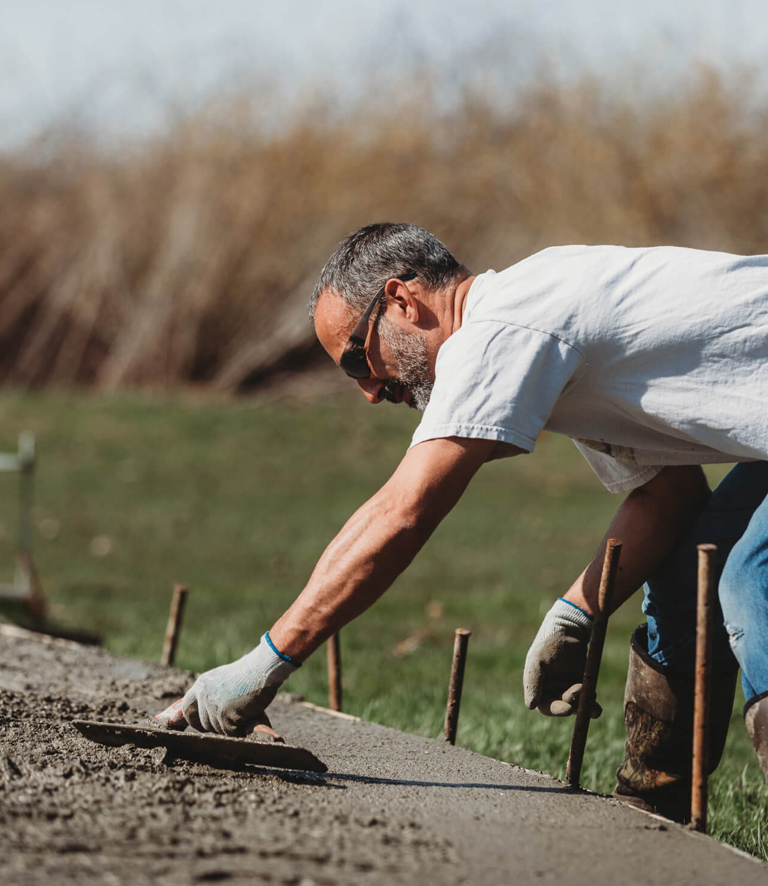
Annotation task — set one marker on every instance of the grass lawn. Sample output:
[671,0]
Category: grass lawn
[238,500]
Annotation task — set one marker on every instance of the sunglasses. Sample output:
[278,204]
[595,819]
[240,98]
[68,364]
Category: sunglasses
[354,358]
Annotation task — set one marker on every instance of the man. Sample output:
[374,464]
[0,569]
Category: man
[654,361]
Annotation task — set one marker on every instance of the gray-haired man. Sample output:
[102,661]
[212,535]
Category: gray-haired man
[654,362]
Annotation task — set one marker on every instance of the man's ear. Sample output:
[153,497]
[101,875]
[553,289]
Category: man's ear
[403,300]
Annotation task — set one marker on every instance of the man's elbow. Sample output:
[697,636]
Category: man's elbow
[682,487]
[409,515]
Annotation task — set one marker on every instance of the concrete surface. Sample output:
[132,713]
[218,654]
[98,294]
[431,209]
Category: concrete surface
[393,808]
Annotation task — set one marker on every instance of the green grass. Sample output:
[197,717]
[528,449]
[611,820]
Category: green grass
[238,500]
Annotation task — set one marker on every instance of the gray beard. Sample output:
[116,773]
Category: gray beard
[410,353]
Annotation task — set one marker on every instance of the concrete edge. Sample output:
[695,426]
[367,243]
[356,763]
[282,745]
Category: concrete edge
[340,714]
[11,630]
[686,829]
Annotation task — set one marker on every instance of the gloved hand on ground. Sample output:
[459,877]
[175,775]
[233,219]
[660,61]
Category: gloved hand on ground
[232,699]
[554,666]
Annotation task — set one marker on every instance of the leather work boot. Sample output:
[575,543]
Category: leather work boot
[658,716]
[756,719]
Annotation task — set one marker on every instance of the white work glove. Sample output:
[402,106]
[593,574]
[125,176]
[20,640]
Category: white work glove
[554,666]
[231,699]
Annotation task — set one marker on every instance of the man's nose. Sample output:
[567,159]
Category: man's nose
[372,388]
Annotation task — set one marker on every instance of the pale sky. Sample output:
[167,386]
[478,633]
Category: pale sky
[115,62]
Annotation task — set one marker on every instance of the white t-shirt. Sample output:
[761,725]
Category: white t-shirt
[645,357]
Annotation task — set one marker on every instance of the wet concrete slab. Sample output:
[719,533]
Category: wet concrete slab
[392,808]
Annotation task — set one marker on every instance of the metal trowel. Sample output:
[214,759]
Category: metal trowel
[203,748]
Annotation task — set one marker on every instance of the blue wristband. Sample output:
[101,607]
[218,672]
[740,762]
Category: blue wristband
[590,617]
[280,654]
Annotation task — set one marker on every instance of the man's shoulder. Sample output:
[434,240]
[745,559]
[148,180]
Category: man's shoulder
[543,290]
[560,283]
[616,257]
[575,253]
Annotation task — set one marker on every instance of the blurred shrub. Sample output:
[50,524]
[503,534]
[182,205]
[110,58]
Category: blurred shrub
[188,258]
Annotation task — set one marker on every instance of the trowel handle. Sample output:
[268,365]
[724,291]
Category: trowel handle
[173,718]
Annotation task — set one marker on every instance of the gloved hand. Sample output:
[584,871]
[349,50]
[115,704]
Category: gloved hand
[231,699]
[554,666]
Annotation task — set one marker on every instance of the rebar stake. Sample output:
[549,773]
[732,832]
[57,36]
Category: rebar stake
[702,688]
[460,644]
[174,624]
[334,672]
[588,692]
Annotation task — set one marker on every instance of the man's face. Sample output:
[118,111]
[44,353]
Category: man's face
[397,356]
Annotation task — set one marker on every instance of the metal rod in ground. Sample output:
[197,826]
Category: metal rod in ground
[460,642]
[334,672]
[588,692]
[174,624]
[702,688]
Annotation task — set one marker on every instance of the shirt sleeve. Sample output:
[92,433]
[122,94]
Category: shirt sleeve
[497,381]
[615,474]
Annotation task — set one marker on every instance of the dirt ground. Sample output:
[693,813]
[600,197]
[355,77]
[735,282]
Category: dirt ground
[393,808]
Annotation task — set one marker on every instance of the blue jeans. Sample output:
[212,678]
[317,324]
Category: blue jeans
[736,520]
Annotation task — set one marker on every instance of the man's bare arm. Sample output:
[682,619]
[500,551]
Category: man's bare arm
[650,522]
[379,541]
[372,549]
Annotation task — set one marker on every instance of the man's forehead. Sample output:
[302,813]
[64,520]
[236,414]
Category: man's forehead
[333,320]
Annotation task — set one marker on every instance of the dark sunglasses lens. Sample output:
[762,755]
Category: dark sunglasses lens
[355,364]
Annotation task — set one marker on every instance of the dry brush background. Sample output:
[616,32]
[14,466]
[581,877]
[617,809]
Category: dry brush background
[187,258]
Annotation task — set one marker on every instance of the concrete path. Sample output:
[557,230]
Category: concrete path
[393,808]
